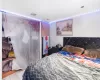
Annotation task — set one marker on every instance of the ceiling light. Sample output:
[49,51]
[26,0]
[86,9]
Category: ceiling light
[47,19]
[33,14]
[82,6]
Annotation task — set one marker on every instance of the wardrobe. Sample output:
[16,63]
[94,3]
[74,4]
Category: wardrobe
[26,37]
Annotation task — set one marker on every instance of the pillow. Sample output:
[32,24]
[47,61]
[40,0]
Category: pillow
[98,49]
[67,48]
[73,49]
[78,50]
[92,53]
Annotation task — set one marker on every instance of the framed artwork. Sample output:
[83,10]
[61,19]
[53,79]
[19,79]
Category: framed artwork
[64,28]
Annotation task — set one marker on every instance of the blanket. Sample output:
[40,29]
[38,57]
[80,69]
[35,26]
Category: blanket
[59,67]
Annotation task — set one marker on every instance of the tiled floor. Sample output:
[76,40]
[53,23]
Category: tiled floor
[15,76]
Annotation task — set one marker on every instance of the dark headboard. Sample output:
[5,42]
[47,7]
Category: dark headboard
[83,42]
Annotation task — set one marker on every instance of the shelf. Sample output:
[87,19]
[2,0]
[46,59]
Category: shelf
[5,74]
[8,59]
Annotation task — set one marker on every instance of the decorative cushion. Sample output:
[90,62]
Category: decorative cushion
[73,49]
[92,53]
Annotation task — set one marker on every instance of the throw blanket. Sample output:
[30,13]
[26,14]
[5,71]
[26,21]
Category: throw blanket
[59,67]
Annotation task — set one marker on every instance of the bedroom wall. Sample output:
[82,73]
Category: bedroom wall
[83,26]
[45,29]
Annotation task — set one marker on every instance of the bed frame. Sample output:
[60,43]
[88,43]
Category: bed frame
[83,42]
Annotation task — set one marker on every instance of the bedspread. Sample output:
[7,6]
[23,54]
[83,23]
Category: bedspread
[59,67]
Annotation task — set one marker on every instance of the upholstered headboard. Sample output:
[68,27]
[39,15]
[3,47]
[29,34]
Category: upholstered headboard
[84,42]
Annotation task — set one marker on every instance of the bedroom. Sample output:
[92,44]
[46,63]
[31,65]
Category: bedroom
[82,21]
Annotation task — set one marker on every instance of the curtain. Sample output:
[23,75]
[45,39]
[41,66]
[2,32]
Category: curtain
[25,38]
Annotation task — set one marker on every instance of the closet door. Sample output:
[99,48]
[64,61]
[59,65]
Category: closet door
[34,43]
[25,38]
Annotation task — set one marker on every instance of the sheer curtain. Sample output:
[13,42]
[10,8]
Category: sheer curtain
[25,38]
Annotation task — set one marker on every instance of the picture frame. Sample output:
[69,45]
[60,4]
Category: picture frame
[64,28]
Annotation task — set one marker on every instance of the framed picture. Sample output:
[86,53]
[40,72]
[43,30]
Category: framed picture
[64,28]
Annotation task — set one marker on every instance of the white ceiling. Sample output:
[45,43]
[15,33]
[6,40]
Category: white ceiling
[50,9]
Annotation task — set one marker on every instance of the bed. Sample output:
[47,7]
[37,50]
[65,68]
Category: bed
[65,65]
